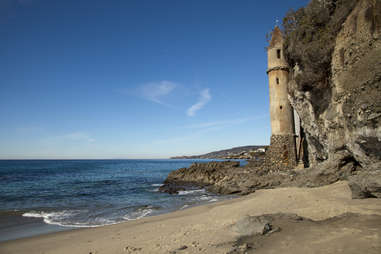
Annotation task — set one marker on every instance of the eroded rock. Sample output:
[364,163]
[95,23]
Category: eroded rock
[252,225]
[366,184]
[340,106]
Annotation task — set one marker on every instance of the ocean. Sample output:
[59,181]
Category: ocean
[42,196]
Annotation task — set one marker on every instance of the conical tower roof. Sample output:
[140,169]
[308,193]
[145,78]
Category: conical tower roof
[276,37]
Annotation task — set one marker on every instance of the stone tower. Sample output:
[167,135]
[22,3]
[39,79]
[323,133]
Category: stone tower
[282,152]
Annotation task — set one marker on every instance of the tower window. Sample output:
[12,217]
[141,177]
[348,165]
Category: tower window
[280,107]
[277,81]
[278,53]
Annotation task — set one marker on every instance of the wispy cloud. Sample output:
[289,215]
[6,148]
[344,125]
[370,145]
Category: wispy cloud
[156,91]
[204,98]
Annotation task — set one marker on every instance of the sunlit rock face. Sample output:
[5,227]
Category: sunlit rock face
[340,110]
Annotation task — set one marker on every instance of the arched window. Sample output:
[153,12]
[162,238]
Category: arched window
[277,81]
[278,53]
[280,107]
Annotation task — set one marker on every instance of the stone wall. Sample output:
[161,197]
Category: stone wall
[281,154]
[280,108]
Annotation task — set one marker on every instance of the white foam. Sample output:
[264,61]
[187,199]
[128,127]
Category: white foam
[52,218]
[157,184]
[204,197]
[33,215]
[213,200]
[184,206]
[48,217]
[138,214]
[56,218]
[187,192]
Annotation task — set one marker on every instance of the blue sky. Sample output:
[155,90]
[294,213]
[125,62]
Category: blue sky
[133,79]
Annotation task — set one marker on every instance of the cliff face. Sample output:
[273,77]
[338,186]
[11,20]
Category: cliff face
[334,48]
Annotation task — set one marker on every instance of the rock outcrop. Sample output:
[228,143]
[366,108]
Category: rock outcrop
[216,175]
[225,177]
[367,183]
[252,225]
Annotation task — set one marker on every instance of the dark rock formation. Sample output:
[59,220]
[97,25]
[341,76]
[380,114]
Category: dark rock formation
[324,173]
[228,178]
[202,175]
[366,184]
[222,177]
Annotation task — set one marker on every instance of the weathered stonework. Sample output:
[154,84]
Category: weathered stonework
[281,154]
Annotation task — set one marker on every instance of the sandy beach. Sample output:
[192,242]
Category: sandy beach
[208,228]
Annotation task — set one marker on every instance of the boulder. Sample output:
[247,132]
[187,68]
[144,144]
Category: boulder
[326,172]
[366,184]
[252,225]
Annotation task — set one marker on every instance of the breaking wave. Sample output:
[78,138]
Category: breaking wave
[84,219]
[65,219]
[188,192]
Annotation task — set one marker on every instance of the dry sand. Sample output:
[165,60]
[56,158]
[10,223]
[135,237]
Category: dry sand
[207,229]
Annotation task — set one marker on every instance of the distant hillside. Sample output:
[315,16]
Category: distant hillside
[240,152]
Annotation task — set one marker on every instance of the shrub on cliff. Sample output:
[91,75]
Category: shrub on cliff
[310,35]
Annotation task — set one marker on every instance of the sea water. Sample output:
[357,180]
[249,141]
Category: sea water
[86,193]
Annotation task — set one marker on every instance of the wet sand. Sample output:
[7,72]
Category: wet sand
[14,226]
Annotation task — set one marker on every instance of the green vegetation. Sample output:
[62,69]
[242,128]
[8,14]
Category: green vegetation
[310,35]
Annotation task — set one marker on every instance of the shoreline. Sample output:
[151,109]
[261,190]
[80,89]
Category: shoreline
[15,226]
[202,229]
[85,194]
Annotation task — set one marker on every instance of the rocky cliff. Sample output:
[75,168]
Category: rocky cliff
[334,48]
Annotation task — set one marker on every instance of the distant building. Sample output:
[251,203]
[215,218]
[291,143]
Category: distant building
[260,150]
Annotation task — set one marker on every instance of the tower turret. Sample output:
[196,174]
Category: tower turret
[280,108]
[281,154]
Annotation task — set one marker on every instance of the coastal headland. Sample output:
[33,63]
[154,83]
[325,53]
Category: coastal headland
[325,199]
[302,220]
[241,152]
